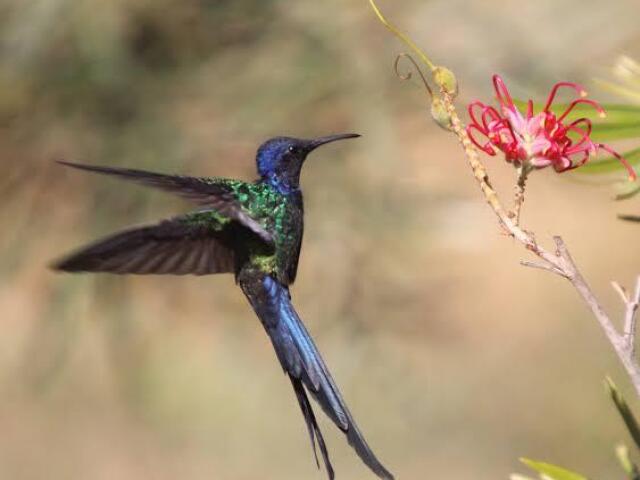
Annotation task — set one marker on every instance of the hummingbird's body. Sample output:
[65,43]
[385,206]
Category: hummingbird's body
[253,230]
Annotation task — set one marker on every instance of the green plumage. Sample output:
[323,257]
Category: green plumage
[279,214]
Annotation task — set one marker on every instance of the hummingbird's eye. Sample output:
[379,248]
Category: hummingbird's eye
[293,149]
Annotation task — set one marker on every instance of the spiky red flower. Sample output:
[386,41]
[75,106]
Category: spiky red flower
[540,140]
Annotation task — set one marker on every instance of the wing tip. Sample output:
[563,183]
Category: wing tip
[67,163]
[115,171]
[73,264]
[60,265]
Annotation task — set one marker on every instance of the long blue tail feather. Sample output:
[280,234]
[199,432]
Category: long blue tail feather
[305,367]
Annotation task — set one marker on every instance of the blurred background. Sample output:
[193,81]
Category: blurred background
[454,359]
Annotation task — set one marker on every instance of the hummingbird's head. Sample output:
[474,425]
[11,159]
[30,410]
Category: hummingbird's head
[280,159]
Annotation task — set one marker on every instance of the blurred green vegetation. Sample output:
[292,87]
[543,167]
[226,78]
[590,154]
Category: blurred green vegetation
[441,345]
[547,471]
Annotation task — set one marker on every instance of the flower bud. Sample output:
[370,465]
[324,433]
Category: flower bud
[440,114]
[446,80]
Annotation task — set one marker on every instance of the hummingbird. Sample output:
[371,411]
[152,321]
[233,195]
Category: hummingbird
[250,229]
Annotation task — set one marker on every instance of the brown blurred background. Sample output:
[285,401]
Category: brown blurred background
[454,359]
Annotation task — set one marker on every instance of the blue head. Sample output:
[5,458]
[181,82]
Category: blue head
[280,159]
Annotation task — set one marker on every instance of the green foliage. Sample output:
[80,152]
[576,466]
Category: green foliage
[630,468]
[612,164]
[623,121]
[548,471]
[622,452]
[624,411]
[627,72]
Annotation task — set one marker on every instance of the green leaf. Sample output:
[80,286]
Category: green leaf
[552,472]
[606,131]
[611,164]
[627,190]
[630,468]
[615,113]
[624,410]
[632,94]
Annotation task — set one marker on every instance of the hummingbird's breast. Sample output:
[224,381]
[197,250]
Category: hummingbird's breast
[282,216]
[289,229]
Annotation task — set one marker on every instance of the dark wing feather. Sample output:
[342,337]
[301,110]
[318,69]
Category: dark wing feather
[170,247]
[301,360]
[215,194]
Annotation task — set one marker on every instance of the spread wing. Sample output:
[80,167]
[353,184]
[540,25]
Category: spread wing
[217,194]
[190,244]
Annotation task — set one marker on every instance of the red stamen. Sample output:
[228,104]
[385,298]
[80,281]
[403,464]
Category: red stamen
[530,109]
[573,104]
[492,112]
[486,147]
[507,123]
[627,165]
[550,124]
[580,162]
[583,160]
[552,95]
[470,108]
[584,134]
[502,93]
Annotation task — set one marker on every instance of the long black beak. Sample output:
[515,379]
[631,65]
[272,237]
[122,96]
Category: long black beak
[316,142]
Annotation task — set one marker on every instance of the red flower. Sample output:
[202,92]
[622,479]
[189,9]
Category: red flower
[539,140]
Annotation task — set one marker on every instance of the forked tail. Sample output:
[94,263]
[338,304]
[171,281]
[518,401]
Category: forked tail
[304,365]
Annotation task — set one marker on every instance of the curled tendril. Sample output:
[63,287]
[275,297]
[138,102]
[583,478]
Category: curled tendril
[403,38]
[408,75]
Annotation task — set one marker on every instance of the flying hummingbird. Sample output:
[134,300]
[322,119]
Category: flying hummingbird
[253,230]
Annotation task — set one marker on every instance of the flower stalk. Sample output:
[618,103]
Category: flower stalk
[521,183]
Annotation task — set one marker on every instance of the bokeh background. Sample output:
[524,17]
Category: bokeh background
[454,359]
